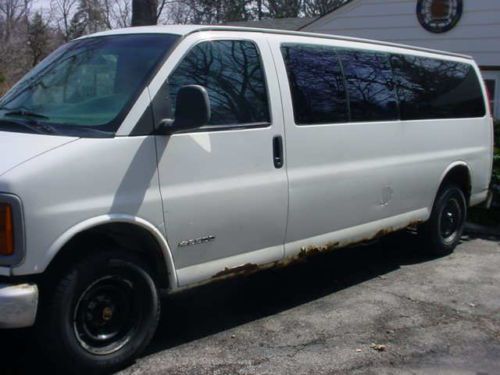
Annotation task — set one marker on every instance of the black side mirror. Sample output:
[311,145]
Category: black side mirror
[192,110]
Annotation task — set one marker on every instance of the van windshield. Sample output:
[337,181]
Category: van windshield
[86,87]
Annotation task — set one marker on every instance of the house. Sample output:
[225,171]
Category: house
[470,27]
[290,23]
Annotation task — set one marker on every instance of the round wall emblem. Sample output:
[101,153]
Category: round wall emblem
[439,16]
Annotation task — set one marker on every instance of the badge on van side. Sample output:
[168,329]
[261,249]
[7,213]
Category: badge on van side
[197,241]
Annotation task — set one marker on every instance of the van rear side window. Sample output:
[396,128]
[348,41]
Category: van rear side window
[317,84]
[370,86]
[437,89]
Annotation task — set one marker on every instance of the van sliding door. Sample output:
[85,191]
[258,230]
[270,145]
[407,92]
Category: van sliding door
[343,139]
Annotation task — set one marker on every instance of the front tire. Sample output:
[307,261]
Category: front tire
[101,315]
[442,233]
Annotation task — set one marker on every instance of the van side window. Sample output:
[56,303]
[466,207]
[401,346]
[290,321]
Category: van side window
[436,89]
[370,87]
[232,73]
[317,84]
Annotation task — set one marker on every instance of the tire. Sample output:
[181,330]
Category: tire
[101,315]
[442,233]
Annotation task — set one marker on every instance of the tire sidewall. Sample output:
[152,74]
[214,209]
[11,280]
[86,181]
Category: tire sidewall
[440,245]
[65,301]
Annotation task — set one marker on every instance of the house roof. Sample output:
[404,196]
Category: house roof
[291,23]
[327,14]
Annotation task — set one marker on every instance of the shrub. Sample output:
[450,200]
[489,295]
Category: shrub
[496,157]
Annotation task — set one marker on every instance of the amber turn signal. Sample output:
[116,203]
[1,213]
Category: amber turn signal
[6,230]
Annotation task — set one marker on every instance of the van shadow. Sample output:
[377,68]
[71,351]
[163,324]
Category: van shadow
[493,236]
[200,312]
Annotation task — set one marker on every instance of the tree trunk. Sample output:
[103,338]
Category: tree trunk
[144,12]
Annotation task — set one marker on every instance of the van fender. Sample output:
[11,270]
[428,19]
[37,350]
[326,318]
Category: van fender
[117,218]
[458,163]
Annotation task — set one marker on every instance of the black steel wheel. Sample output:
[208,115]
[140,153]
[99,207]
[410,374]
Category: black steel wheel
[442,233]
[101,315]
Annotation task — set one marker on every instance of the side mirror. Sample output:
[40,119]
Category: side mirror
[192,110]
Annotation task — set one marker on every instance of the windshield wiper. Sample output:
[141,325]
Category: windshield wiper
[25,113]
[31,127]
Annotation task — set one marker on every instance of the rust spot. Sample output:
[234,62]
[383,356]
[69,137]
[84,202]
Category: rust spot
[245,269]
[313,250]
[415,224]
[306,252]
[382,233]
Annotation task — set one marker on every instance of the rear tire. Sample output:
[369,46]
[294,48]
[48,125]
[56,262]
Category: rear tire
[442,233]
[101,314]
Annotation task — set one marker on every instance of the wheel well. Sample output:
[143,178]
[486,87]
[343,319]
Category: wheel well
[124,236]
[459,176]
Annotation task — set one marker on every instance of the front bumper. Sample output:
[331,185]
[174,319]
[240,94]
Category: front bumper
[18,305]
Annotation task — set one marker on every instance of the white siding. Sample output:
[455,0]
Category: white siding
[477,33]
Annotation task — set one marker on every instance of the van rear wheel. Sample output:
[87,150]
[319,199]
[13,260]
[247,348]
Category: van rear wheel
[101,315]
[442,233]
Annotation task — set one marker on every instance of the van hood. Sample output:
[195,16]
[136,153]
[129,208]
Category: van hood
[17,148]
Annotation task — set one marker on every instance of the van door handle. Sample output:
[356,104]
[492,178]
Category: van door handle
[278,151]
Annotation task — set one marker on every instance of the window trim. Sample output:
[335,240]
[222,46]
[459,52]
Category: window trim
[224,127]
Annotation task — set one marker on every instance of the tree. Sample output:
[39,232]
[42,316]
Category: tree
[38,38]
[89,18]
[12,14]
[121,13]
[284,8]
[63,11]
[144,12]
[314,8]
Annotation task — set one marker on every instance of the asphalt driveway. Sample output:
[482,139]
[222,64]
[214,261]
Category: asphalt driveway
[381,309]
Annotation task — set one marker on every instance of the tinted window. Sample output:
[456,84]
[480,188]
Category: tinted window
[88,84]
[232,73]
[316,83]
[370,87]
[429,88]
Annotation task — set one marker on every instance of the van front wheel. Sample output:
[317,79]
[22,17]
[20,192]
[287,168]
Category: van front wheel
[101,315]
[442,233]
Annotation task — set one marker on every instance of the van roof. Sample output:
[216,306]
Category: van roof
[185,30]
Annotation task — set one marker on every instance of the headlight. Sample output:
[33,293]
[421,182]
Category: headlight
[7,239]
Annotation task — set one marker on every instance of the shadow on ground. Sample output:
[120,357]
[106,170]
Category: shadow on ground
[200,312]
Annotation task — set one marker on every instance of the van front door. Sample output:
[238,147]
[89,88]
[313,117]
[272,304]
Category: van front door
[225,197]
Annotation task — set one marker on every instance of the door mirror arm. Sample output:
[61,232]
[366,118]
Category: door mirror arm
[165,127]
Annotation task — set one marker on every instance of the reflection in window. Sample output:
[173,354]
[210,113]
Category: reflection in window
[89,82]
[233,76]
[430,88]
[371,91]
[316,83]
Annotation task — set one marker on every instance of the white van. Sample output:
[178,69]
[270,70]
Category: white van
[159,158]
